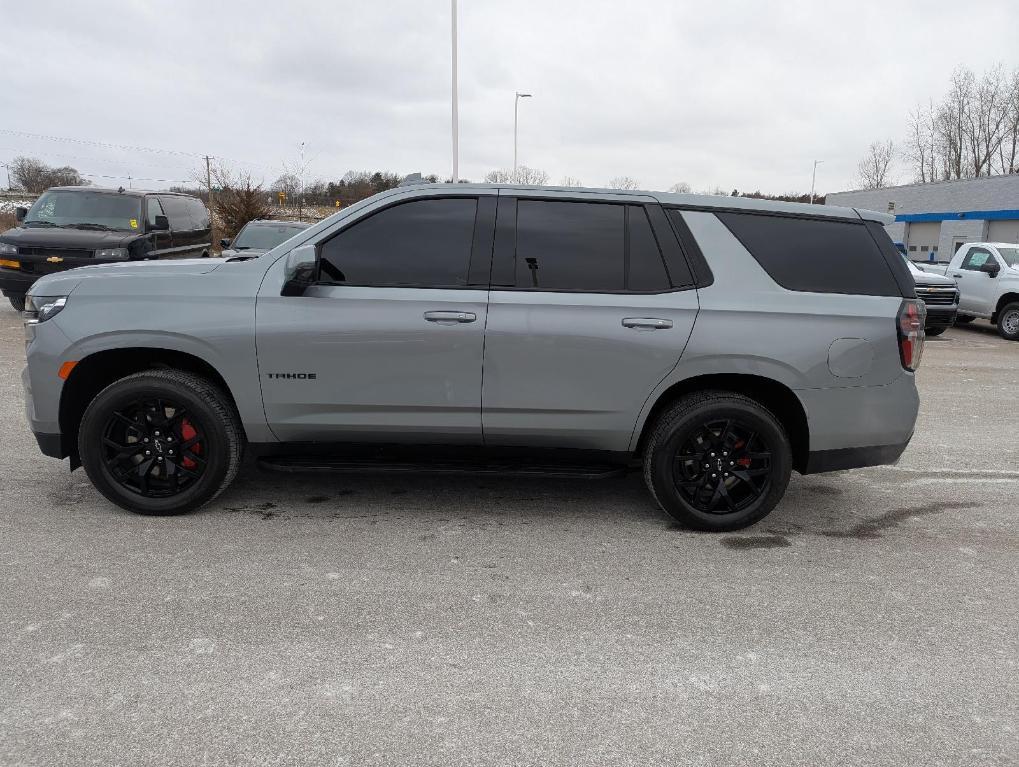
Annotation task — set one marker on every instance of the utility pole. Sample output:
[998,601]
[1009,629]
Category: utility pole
[456,114]
[208,179]
[813,179]
[300,181]
[516,100]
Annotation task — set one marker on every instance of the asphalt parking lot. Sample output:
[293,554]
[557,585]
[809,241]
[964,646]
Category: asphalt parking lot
[872,618]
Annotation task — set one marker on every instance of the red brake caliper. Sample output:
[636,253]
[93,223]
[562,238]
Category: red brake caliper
[745,460]
[187,431]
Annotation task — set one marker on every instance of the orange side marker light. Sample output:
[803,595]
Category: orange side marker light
[66,368]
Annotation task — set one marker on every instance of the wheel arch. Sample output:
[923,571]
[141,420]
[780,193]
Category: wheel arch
[98,370]
[773,395]
[1003,301]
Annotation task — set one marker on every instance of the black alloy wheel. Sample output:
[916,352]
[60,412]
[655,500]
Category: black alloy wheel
[717,461]
[160,441]
[724,466]
[154,447]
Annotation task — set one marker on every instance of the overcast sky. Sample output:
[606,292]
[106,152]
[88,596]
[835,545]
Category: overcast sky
[734,94]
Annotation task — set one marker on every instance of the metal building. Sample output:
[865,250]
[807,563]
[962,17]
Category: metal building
[933,220]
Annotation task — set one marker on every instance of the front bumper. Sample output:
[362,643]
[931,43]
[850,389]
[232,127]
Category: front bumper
[14,282]
[941,316]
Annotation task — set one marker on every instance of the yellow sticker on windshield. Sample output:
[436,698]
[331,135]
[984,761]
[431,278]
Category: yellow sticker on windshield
[134,223]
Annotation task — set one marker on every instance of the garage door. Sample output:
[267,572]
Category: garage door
[1003,231]
[922,239]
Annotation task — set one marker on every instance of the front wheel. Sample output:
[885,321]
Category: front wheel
[160,442]
[717,461]
[1008,322]
[934,331]
[18,302]
[963,319]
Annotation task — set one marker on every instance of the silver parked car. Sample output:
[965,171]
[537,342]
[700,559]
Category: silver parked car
[718,343]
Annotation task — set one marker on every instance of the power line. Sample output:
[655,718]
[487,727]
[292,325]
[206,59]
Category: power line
[128,147]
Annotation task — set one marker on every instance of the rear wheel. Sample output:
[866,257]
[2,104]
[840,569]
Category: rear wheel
[1008,322]
[18,302]
[160,442]
[717,461]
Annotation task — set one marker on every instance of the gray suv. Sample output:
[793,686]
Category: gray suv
[717,343]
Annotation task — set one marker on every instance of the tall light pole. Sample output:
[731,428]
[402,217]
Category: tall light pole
[456,114]
[813,180]
[516,101]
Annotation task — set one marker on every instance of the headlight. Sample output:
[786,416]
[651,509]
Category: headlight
[41,308]
[111,253]
[6,249]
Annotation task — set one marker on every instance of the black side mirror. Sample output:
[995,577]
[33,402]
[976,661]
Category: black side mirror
[225,242]
[161,224]
[300,270]
[20,213]
[991,268]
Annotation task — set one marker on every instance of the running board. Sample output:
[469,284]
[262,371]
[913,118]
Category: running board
[322,464]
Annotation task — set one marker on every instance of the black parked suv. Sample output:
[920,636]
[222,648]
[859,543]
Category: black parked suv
[77,226]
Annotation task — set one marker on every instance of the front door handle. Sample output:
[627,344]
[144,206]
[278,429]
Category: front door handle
[646,323]
[450,318]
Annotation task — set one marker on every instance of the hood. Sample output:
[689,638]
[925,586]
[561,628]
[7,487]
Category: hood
[52,237]
[63,283]
[231,252]
[932,280]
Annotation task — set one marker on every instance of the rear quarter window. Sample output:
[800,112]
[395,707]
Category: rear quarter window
[815,255]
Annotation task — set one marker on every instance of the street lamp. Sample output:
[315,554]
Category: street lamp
[516,102]
[813,179]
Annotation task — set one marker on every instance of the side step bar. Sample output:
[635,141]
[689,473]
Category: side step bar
[299,464]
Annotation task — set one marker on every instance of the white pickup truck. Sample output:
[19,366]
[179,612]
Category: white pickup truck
[987,274]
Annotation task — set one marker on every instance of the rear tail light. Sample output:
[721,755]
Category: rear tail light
[910,322]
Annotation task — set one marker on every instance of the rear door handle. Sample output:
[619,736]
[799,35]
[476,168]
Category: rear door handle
[646,323]
[450,318]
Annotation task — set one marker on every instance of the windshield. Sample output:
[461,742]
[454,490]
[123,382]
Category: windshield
[1010,256]
[264,236]
[86,210]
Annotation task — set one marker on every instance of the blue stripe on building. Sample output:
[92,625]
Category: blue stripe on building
[981,215]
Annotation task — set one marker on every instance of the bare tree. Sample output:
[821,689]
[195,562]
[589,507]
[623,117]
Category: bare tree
[624,182]
[680,187]
[1008,151]
[35,176]
[874,168]
[522,175]
[238,201]
[288,183]
[570,181]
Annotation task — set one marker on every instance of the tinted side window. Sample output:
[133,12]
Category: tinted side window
[198,212]
[570,246]
[818,256]
[422,243]
[645,271]
[177,211]
[154,209]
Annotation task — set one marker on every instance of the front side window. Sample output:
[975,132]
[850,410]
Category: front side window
[976,258]
[177,211]
[421,243]
[86,210]
[155,209]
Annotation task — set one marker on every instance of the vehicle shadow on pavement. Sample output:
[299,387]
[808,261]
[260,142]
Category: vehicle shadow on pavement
[826,506]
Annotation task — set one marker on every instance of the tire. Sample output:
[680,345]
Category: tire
[1008,322]
[123,430]
[18,302]
[696,424]
[935,331]
[963,319]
